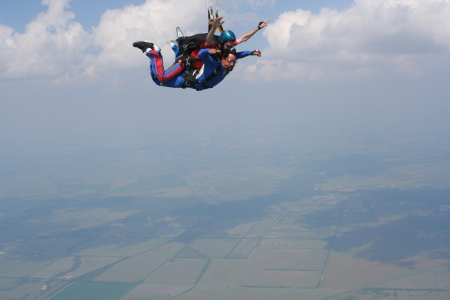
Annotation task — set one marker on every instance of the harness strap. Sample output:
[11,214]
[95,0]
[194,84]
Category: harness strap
[190,79]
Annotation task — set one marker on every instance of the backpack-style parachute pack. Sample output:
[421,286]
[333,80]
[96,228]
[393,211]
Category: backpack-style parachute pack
[190,43]
[187,44]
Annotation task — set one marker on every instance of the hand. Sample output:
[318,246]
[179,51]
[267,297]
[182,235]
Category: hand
[257,53]
[213,51]
[263,24]
[217,22]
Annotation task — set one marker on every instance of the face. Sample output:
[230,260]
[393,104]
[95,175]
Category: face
[228,45]
[229,62]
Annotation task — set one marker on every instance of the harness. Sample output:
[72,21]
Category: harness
[190,78]
[187,44]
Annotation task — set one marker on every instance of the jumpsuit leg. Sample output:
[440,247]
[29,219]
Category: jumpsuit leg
[160,75]
[177,51]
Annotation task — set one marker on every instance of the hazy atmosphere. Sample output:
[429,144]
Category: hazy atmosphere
[328,155]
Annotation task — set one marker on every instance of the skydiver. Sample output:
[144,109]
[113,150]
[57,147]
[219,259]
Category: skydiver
[227,40]
[211,74]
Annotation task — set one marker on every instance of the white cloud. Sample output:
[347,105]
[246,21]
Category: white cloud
[410,37]
[154,20]
[54,45]
[406,36]
[51,42]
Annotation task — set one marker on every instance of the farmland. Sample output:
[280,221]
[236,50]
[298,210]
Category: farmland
[235,228]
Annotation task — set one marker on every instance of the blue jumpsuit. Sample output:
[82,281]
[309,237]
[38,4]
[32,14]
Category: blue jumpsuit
[171,77]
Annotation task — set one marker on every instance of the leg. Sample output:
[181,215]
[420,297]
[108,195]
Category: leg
[175,48]
[157,68]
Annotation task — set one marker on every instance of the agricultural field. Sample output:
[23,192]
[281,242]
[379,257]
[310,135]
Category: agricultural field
[267,278]
[93,291]
[140,267]
[214,248]
[243,249]
[121,249]
[179,271]
[158,292]
[138,227]
[220,272]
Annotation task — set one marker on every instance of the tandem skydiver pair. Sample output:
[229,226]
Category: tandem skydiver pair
[202,61]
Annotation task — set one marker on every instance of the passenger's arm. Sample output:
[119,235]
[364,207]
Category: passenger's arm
[251,33]
[210,37]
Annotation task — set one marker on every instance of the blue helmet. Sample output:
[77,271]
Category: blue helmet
[227,36]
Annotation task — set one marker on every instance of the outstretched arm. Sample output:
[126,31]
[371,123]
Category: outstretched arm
[217,22]
[243,54]
[251,33]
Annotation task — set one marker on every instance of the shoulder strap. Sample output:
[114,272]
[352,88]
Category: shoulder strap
[211,76]
[190,78]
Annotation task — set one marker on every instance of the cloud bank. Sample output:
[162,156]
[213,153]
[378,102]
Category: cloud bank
[410,37]
[407,37]
[55,46]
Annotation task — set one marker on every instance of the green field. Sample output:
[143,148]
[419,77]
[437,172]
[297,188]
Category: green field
[94,291]
[139,267]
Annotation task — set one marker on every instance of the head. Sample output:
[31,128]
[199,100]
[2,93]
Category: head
[227,39]
[229,59]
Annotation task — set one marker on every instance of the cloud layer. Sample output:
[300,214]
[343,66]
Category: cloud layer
[402,36]
[51,43]
[408,37]
[55,46]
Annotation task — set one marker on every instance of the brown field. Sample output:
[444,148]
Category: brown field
[353,273]
[276,279]
[179,271]
[350,273]
[220,272]
[156,292]
[394,295]
[247,293]
[202,293]
[214,248]
[436,278]
[292,244]
[288,259]
[243,249]
[301,232]
[292,233]
[138,268]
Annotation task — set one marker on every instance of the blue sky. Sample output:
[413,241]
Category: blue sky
[69,75]
[17,14]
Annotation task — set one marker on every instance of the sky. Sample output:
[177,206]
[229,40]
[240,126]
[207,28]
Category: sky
[70,77]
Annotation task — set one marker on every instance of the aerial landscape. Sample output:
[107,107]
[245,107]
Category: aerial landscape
[262,221]
[313,163]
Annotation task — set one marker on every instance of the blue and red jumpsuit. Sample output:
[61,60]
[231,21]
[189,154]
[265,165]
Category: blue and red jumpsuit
[171,77]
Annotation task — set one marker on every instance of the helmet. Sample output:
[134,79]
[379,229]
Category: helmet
[227,36]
